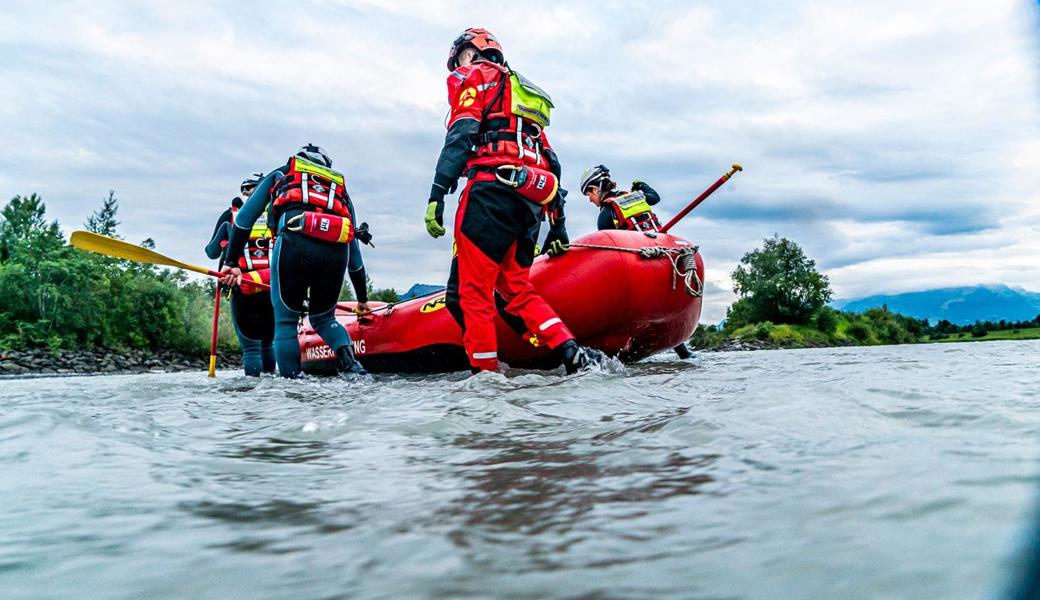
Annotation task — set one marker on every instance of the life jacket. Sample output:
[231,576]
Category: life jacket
[310,187]
[513,120]
[257,253]
[633,212]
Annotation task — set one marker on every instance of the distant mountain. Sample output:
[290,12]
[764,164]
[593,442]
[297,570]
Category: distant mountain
[961,305]
[420,289]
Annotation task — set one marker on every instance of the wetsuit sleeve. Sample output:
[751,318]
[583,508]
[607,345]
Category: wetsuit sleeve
[220,233]
[467,95]
[214,248]
[551,158]
[606,219]
[356,262]
[652,197]
[248,214]
[359,279]
[458,146]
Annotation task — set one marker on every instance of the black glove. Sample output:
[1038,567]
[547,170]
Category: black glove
[637,185]
[557,241]
[364,235]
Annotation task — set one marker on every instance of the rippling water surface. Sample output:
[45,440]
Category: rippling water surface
[904,471]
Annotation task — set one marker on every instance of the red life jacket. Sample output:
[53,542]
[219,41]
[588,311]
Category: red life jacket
[311,187]
[515,113]
[257,251]
[632,212]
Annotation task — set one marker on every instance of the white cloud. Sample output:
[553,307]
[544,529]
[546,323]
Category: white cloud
[896,142]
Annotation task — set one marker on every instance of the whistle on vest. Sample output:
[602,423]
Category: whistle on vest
[534,184]
[322,226]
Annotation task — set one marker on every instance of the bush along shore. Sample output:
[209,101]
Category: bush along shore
[40,361]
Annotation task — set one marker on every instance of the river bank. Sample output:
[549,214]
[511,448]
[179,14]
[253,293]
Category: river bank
[39,361]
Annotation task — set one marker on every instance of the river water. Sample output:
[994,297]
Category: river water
[885,472]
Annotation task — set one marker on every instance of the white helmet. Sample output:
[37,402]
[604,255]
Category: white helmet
[594,176]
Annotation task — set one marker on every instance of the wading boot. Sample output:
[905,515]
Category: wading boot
[346,364]
[578,358]
[683,351]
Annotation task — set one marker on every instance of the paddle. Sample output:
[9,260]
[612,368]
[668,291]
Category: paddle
[699,199]
[100,244]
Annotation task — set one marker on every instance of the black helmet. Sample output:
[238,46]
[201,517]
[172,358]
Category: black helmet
[315,154]
[250,183]
[594,176]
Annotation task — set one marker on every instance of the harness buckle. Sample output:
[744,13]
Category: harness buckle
[294,223]
[512,180]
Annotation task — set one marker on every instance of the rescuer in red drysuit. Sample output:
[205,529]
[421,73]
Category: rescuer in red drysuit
[496,138]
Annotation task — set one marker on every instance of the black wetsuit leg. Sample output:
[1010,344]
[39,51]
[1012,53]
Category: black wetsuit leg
[302,268]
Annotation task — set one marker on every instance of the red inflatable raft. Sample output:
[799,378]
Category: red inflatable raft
[630,295]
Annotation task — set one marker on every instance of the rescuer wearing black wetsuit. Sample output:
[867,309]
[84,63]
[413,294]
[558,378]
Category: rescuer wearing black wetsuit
[313,219]
[251,312]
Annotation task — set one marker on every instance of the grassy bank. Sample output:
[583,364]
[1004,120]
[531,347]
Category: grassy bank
[1031,333]
[877,326]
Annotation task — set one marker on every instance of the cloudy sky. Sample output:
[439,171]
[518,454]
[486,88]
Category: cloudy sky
[896,142]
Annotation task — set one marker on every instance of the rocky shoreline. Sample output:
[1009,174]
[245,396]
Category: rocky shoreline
[39,361]
[737,344]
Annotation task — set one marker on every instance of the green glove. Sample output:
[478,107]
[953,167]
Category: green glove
[556,243]
[435,218]
[556,248]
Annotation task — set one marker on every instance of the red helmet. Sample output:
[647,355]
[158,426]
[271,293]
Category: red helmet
[482,40]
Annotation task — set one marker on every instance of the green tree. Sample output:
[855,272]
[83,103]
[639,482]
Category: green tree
[25,235]
[54,295]
[103,220]
[777,283]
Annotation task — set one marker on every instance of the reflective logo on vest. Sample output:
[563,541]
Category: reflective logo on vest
[467,97]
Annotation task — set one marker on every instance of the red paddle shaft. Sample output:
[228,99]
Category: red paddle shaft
[707,192]
[213,340]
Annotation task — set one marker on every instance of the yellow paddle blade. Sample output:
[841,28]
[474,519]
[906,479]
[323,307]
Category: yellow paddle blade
[100,244]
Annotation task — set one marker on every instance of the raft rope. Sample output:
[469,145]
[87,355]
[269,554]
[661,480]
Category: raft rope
[684,263]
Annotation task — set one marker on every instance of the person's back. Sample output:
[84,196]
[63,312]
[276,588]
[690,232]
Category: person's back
[496,137]
[313,219]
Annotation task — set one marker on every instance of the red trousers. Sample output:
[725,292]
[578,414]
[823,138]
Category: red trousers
[495,232]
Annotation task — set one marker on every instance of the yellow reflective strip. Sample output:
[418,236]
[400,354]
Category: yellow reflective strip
[344,231]
[306,166]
